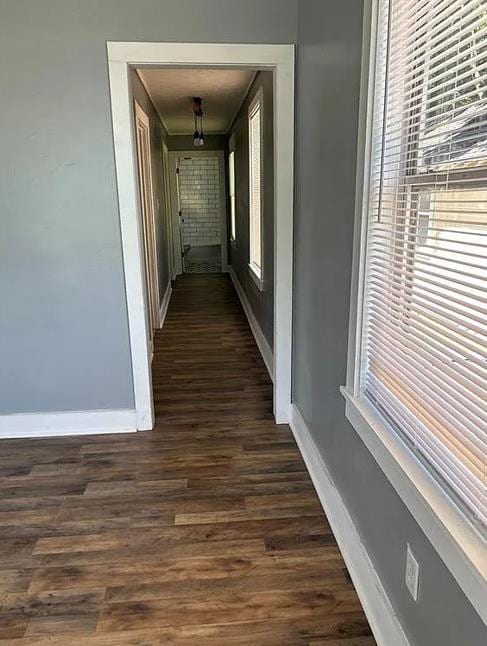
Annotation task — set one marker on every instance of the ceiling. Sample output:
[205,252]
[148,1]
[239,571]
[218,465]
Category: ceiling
[171,91]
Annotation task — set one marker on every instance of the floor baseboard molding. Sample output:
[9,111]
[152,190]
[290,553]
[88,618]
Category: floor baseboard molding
[259,337]
[165,304]
[381,616]
[24,425]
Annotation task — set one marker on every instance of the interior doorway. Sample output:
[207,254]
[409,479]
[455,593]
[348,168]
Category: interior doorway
[198,194]
[277,59]
[146,199]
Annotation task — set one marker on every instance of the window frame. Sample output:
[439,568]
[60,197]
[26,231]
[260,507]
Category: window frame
[233,204]
[457,541]
[256,270]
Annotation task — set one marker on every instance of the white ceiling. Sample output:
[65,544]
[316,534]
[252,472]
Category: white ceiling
[171,91]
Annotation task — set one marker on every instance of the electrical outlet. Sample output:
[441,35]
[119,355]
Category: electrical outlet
[412,573]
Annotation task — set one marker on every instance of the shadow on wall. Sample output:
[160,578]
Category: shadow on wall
[262,302]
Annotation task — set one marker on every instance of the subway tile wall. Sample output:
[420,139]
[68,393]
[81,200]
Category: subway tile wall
[199,194]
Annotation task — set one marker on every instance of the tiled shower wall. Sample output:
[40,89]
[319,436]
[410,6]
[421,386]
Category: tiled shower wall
[199,194]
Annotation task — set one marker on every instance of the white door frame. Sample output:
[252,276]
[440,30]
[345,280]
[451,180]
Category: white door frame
[278,58]
[148,218]
[174,155]
[168,211]
[176,238]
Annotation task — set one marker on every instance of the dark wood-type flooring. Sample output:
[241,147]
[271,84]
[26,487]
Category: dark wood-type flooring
[205,531]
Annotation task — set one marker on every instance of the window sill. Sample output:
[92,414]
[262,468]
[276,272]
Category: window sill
[256,276]
[458,543]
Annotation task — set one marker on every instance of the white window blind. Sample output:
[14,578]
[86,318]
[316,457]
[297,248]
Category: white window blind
[255,185]
[231,181]
[424,364]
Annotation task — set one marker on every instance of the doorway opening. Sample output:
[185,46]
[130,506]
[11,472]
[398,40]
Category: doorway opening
[200,200]
[173,248]
[146,200]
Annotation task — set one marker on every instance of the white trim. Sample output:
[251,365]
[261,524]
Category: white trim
[264,347]
[149,226]
[366,107]
[232,212]
[168,212]
[458,543]
[279,59]
[256,106]
[126,166]
[61,424]
[283,233]
[165,304]
[376,604]
[223,210]
[257,99]
[176,237]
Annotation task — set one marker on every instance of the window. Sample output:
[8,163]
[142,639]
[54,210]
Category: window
[423,355]
[255,187]
[231,181]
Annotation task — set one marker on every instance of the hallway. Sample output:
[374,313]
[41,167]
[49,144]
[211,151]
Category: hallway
[207,367]
[205,531]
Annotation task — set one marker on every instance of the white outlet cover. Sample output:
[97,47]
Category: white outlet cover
[412,573]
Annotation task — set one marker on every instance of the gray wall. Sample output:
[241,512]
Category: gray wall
[63,322]
[328,70]
[158,136]
[262,302]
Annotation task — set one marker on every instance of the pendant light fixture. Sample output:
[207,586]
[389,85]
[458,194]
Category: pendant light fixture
[198,136]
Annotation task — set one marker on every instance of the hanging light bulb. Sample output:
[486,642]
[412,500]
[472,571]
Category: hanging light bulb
[202,136]
[196,134]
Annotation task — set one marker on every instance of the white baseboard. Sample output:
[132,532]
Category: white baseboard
[165,304]
[381,616]
[259,337]
[67,423]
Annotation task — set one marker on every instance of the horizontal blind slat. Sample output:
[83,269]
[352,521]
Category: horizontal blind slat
[419,422]
[448,361]
[425,299]
[466,413]
[415,427]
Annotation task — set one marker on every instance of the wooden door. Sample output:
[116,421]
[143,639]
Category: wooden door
[147,218]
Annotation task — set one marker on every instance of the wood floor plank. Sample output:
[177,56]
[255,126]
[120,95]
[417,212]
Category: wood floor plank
[205,532]
[225,608]
[278,581]
[148,538]
[64,624]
